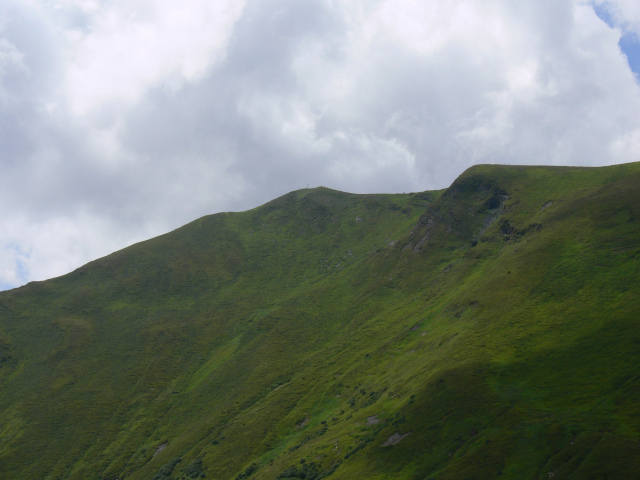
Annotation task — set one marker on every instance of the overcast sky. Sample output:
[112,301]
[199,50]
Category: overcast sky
[124,119]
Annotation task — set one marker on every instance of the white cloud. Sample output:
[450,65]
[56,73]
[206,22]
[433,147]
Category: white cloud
[362,161]
[11,59]
[124,119]
[128,47]
[625,13]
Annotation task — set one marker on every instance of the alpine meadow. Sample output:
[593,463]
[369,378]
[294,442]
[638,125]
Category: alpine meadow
[486,331]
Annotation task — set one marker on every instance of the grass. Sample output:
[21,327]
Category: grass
[496,321]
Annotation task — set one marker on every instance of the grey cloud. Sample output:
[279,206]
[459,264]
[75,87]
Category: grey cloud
[305,94]
[432,106]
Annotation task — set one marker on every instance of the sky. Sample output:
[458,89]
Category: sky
[123,119]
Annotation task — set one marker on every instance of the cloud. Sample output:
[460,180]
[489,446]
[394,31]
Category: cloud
[129,47]
[623,13]
[122,120]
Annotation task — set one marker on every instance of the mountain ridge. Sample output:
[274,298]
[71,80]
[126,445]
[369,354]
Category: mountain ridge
[323,325]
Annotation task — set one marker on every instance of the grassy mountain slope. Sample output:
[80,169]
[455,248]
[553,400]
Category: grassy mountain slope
[490,329]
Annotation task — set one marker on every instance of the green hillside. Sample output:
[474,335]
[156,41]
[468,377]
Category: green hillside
[490,330]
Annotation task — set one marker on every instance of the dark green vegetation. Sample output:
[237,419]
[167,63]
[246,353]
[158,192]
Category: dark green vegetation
[486,331]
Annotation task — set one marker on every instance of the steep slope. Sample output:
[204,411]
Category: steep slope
[487,331]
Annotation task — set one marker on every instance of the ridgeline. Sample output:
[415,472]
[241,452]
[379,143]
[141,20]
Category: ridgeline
[489,330]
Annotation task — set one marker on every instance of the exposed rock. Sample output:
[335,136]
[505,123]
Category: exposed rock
[302,424]
[546,205]
[160,448]
[395,439]
[372,420]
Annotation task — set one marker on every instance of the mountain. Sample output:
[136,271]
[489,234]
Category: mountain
[489,330]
